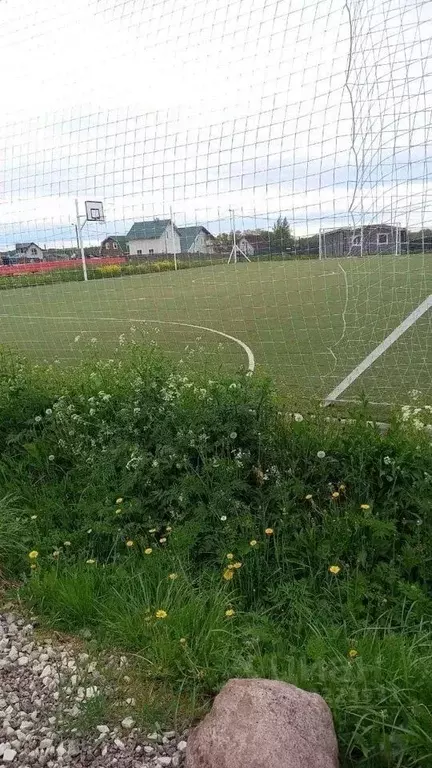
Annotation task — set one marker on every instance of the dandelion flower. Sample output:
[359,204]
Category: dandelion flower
[90,562]
[148,551]
[253,543]
[33,517]
[352,653]
[119,501]
[33,566]
[308,497]
[162,540]
[230,612]
[230,556]
[66,544]
[268,531]
[168,529]
[342,487]
[152,530]
[118,511]
[335,495]
[161,614]
[183,641]
[364,506]
[321,454]
[33,554]
[228,573]
[56,553]
[129,543]
[236,565]
[223,518]
[173,576]
[334,569]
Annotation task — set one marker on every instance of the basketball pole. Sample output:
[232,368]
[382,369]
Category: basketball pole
[80,240]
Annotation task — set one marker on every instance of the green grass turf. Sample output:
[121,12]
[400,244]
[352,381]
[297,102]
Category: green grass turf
[308,323]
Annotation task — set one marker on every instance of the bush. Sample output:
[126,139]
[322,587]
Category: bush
[109,270]
[193,523]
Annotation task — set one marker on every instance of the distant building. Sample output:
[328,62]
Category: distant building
[114,245]
[149,238]
[254,244]
[196,240]
[367,240]
[28,252]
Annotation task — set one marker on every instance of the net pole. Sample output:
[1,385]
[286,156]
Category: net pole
[320,236]
[173,241]
[80,240]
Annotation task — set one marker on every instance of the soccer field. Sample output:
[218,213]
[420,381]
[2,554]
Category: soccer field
[306,323]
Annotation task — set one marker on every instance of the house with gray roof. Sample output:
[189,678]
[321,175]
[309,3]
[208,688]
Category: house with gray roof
[152,238]
[114,245]
[196,240]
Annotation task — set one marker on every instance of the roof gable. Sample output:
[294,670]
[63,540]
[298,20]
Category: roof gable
[121,240]
[188,236]
[148,230]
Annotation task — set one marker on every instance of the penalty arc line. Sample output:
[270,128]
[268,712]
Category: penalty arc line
[379,350]
[242,344]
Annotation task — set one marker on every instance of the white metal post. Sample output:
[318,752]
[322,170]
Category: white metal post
[320,244]
[173,241]
[234,236]
[80,240]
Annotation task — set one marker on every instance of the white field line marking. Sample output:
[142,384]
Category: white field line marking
[249,353]
[379,350]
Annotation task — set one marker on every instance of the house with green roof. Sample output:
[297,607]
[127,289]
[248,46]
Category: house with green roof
[114,245]
[151,238]
[196,240]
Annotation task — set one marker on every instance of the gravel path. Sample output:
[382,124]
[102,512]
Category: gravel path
[45,686]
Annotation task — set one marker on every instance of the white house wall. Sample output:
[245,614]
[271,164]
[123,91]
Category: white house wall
[161,245]
[201,244]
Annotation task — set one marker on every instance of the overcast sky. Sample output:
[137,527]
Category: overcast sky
[266,106]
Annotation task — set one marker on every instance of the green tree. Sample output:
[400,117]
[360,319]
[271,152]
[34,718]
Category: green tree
[281,238]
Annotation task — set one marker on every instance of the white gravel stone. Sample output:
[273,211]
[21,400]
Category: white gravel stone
[128,722]
[181,746]
[9,755]
[102,728]
[23,661]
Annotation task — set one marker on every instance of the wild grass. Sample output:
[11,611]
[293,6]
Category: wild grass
[191,524]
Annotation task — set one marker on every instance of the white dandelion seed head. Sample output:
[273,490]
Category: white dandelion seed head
[321,454]
[51,457]
[38,419]
[48,412]
[233,435]
[223,518]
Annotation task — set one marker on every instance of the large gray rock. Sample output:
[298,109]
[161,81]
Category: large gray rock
[264,724]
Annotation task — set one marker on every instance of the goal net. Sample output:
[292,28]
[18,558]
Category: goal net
[259,176]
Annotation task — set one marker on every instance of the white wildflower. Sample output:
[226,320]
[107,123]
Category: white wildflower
[223,518]
[387,460]
[48,412]
[38,419]
[298,417]
[321,454]
[233,435]
[51,457]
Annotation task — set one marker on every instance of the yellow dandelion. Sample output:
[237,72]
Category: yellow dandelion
[182,641]
[173,576]
[161,614]
[129,543]
[342,487]
[253,543]
[230,556]
[236,565]
[335,495]
[162,540]
[148,551]
[90,562]
[33,554]
[119,501]
[308,497]
[352,653]
[118,511]
[33,566]
[152,530]
[56,553]
[230,612]
[67,544]
[168,529]
[268,531]
[334,569]
[364,506]
[228,574]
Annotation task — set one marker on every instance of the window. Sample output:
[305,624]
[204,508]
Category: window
[115,246]
[151,251]
[356,240]
[34,251]
[382,238]
[139,252]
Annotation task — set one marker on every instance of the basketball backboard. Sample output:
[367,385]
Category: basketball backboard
[94,210]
